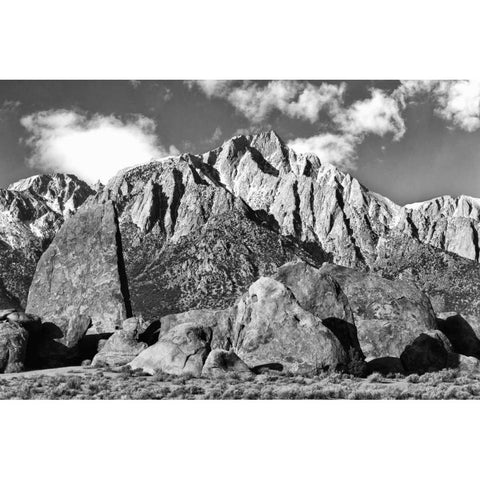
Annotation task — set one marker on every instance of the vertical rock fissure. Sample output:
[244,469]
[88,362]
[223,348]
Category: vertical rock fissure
[122,273]
[475,241]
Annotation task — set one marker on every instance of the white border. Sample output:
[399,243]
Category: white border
[247,39]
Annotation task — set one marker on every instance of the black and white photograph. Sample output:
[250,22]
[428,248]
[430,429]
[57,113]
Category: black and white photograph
[278,239]
[239,241]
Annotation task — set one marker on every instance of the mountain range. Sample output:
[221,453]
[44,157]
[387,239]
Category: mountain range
[193,232]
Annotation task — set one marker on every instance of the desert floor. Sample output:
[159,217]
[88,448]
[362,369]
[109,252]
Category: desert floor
[88,383]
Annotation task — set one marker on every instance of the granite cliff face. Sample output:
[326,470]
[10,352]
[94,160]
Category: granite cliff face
[447,223]
[31,212]
[195,231]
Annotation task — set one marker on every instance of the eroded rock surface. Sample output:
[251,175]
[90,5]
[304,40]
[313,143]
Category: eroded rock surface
[271,327]
[388,314]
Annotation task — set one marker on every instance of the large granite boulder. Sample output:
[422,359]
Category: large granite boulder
[182,350]
[389,314]
[222,362]
[79,282]
[13,346]
[122,347]
[321,295]
[271,327]
[429,352]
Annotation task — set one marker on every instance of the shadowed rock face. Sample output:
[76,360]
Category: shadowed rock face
[460,333]
[429,352]
[388,314]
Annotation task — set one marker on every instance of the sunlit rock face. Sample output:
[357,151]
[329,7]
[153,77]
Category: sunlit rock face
[448,223]
[31,212]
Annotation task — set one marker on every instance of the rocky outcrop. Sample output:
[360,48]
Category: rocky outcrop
[220,363]
[182,350]
[122,347]
[80,282]
[13,346]
[388,314]
[270,326]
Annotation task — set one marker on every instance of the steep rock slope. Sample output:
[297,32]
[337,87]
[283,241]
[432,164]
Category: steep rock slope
[31,212]
[190,243]
[313,202]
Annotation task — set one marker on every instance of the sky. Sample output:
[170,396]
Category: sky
[408,140]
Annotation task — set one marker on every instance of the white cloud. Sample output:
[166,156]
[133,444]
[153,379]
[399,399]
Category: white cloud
[212,88]
[379,115]
[292,98]
[91,147]
[338,150]
[456,101]
[459,103]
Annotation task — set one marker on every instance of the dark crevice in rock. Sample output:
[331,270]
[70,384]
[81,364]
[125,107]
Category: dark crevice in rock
[297,220]
[262,164]
[122,272]
[178,191]
[475,242]
[413,227]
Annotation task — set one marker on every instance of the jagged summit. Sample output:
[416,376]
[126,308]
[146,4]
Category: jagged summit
[63,193]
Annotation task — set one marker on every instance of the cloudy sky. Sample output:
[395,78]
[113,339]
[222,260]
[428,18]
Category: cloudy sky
[409,140]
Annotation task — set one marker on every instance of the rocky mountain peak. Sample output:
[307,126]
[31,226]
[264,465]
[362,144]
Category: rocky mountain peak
[62,193]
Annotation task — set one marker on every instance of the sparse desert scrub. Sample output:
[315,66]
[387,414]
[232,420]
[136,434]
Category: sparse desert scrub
[107,384]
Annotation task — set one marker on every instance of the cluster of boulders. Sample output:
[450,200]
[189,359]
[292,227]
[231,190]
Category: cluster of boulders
[303,320]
